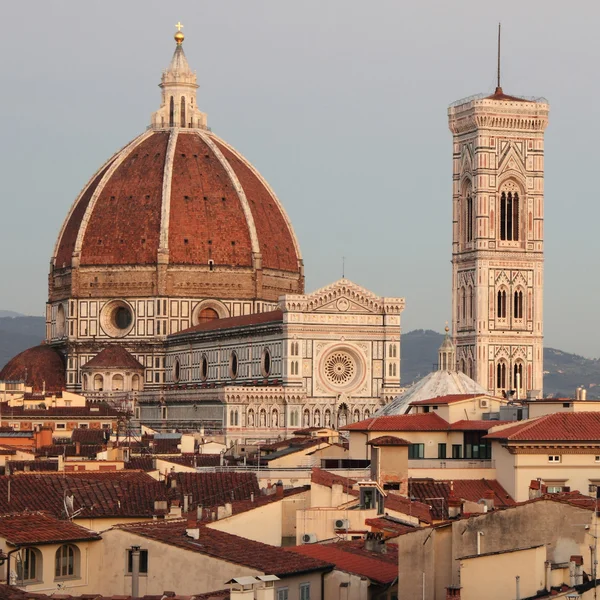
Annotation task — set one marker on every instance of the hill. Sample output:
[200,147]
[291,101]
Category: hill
[563,372]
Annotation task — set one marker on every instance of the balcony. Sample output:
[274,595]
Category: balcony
[451,463]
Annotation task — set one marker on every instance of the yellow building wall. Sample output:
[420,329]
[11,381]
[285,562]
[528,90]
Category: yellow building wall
[321,522]
[494,577]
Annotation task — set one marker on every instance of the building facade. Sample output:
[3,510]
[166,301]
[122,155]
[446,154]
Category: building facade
[498,240]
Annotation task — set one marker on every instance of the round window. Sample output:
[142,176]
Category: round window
[204,368]
[266,363]
[116,318]
[176,370]
[341,369]
[233,365]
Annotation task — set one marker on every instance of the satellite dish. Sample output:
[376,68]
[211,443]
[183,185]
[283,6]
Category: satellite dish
[69,506]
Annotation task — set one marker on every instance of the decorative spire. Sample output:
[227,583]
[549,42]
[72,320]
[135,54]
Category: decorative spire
[178,106]
[498,86]
[447,353]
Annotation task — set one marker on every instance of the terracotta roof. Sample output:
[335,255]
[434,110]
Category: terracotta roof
[194,460]
[231,548]
[213,489]
[436,493]
[409,507]
[274,316]
[85,451]
[41,528]
[377,569]
[388,440]
[90,411]
[113,356]
[500,95]
[556,427]
[8,592]
[475,425]
[389,526]
[412,422]
[142,463]
[327,479]
[13,466]
[449,399]
[89,436]
[99,494]
[40,366]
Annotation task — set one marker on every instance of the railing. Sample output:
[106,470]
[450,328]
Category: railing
[451,463]
[481,96]
[352,473]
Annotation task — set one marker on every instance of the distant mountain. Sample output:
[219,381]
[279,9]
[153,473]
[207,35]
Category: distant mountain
[9,313]
[563,372]
[18,334]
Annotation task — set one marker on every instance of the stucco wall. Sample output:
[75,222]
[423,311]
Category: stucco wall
[321,522]
[495,576]
[345,586]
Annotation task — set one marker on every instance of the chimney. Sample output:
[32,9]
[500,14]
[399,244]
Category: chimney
[578,393]
[453,593]
[535,489]
[575,570]
[135,571]
[78,448]
[192,519]
[175,511]
[583,394]
[489,499]
[279,489]
[265,589]
[193,532]
[454,507]
[160,506]
[374,542]
[173,483]
[187,500]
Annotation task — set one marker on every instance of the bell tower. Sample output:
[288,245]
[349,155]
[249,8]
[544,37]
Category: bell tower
[498,240]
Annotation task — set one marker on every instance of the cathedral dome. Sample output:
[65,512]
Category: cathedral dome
[41,367]
[188,212]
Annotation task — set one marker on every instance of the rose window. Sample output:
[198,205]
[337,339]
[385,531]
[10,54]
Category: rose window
[340,368]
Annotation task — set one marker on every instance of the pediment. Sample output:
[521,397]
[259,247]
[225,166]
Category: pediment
[344,296]
[511,160]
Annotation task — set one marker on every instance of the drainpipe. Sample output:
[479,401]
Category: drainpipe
[135,571]
[518,582]
[479,535]
[17,549]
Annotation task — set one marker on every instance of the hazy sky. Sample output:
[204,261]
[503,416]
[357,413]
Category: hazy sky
[340,104]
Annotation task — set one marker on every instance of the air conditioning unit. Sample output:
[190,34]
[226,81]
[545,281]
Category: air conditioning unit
[484,403]
[309,538]
[342,524]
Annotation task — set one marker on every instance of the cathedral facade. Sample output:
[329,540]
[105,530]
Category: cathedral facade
[498,241]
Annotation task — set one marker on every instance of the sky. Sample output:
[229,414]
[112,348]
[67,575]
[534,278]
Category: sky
[340,104]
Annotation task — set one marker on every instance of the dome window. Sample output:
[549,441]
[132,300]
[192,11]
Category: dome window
[116,318]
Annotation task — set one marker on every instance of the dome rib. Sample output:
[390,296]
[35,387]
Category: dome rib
[163,245]
[118,160]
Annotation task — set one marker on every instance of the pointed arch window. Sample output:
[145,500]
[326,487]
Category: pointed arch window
[464,304]
[172,112]
[501,376]
[509,216]
[501,305]
[182,111]
[518,376]
[518,304]
[469,219]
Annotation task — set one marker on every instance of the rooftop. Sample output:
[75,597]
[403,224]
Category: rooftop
[230,548]
[412,422]
[41,528]
[555,427]
[448,399]
[113,356]
[274,316]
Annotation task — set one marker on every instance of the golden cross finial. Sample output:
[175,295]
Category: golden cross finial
[179,26]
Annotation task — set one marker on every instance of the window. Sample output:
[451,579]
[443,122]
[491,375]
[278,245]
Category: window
[554,458]
[501,376]
[305,591]
[426,409]
[233,365]
[501,305]
[84,425]
[456,451]
[163,412]
[597,459]
[266,363]
[106,426]
[182,111]
[518,305]
[509,216]
[441,450]
[29,565]
[177,370]
[518,376]
[469,220]
[554,489]
[171,115]
[282,594]
[66,562]
[207,314]
[476,447]
[60,426]
[416,451]
[143,562]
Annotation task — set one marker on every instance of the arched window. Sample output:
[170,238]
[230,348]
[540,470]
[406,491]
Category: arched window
[501,305]
[470,302]
[462,365]
[176,370]
[98,383]
[29,565]
[518,304]
[135,383]
[356,415]
[509,216]
[463,294]
[367,413]
[266,363]
[231,418]
[66,562]
[182,111]
[390,370]
[233,365]
[501,376]
[518,376]
[469,220]
[60,321]
[84,382]
[118,383]
[207,314]
[172,113]
[394,371]
[204,368]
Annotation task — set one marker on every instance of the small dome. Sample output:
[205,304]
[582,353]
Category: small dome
[436,384]
[42,367]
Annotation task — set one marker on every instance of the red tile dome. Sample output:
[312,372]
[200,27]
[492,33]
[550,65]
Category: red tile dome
[41,367]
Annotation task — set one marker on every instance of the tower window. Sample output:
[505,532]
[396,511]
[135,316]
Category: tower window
[501,305]
[509,216]
[182,111]
[501,376]
[172,113]
[518,376]
[518,305]
[469,220]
